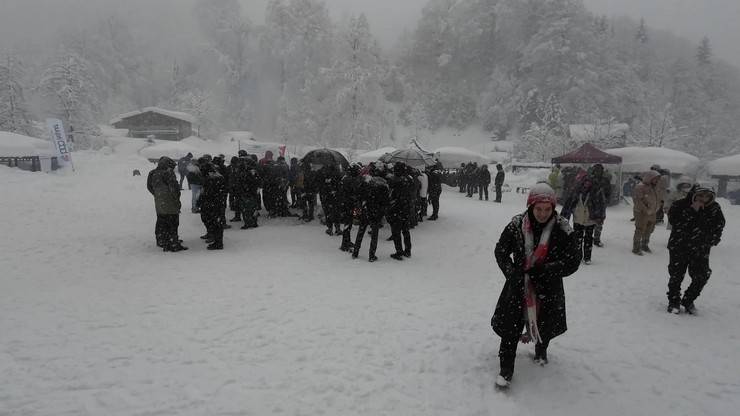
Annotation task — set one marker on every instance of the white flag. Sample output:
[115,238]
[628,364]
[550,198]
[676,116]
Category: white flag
[59,138]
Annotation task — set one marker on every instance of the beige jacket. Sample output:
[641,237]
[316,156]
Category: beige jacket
[645,196]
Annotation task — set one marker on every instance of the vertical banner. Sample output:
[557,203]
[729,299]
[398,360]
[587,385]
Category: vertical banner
[59,138]
[282,150]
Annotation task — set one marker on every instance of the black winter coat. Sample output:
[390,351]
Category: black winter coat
[212,201]
[435,182]
[499,181]
[374,199]
[163,184]
[563,259]
[399,211]
[349,198]
[484,177]
[694,232]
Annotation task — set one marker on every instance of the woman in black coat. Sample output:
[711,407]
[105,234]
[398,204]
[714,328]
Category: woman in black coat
[528,258]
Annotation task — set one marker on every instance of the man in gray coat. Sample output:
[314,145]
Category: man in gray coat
[162,184]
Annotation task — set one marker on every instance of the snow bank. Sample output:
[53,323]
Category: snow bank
[452,157]
[726,166]
[639,159]
[175,150]
[374,155]
[12,144]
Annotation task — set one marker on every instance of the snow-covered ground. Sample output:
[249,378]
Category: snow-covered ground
[94,320]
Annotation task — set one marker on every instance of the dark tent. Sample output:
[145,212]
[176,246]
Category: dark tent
[588,154]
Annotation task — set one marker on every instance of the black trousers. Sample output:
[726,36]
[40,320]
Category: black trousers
[585,236]
[507,354]
[481,189]
[498,193]
[214,225]
[309,205]
[347,235]
[397,230]
[434,200]
[472,187]
[165,230]
[697,264]
[374,227]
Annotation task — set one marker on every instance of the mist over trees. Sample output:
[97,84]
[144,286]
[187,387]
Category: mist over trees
[522,69]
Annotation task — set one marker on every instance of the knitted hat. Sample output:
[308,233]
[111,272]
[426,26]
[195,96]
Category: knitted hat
[542,192]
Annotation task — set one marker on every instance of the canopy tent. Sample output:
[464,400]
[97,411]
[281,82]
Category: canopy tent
[640,159]
[374,155]
[588,154]
[726,169]
[452,157]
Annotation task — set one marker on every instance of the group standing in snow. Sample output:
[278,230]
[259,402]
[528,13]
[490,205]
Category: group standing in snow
[359,195]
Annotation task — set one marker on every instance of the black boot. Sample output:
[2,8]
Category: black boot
[540,354]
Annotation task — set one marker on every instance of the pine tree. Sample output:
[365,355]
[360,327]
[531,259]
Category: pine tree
[14,116]
[71,88]
[704,52]
[642,35]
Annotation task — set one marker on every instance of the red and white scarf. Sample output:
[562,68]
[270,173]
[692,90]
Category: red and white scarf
[533,256]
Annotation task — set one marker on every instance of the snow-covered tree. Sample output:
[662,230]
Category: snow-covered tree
[704,52]
[14,115]
[642,33]
[357,105]
[70,86]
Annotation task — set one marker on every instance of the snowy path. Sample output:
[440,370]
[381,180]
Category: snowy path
[95,321]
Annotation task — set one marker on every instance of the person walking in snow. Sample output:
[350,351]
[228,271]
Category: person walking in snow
[348,202]
[374,200]
[683,187]
[645,204]
[499,181]
[697,224]
[588,207]
[535,252]
[602,191]
[162,184]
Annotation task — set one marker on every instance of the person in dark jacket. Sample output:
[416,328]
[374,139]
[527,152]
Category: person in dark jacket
[400,185]
[374,200]
[499,181]
[219,163]
[195,182]
[182,167]
[281,173]
[292,179]
[246,191]
[461,179]
[434,174]
[535,252]
[587,205]
[233,205]
[349,201]
[471,173]
[162,184]
[697,224]
[484,181]
[212,204]
[602,183]
[329,182]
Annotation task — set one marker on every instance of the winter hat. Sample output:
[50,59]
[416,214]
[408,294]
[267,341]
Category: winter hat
[541,192]
[700,189]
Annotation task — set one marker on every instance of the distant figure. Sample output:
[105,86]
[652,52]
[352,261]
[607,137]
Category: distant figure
[136,172]
[499,181]
[646,204]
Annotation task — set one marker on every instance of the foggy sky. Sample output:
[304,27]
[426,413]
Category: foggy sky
[29,21]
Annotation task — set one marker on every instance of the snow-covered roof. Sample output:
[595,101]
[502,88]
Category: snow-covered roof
[175,150]
[726,166]
[452,157]
[590,132]
[169,113]
[640,159]
[374,155]
[12,144]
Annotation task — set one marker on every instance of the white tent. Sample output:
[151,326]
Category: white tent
[726,166]
[452,157]
[374,155]
[640,159]
[18,145]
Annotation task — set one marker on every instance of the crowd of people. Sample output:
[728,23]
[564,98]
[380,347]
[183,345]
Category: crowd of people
[473,179]
[366,196]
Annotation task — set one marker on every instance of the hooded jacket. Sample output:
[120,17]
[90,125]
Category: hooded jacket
[645,195]
[695,231]
[163,184]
